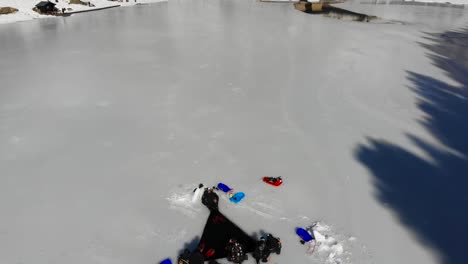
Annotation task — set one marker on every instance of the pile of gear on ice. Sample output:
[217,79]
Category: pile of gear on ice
[222,238]
[235,250]
[236,253]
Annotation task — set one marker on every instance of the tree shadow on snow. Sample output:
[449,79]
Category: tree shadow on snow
[431,196]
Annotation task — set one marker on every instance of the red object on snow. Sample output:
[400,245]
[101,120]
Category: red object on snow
[210,253]
[275,181]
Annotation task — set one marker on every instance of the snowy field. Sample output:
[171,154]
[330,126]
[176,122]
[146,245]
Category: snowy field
[109,119]
[25,7]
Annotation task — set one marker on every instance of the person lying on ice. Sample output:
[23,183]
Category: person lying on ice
[210,199]
[273,244]
[266,246]
[260,252]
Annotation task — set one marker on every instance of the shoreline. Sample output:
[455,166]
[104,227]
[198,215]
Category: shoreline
[25,12]
[91,10]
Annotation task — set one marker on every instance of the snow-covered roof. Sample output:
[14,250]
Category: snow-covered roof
[44,3]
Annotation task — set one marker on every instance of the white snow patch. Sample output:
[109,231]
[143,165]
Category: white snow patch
[107,143]
[261,205]
[197,195]
[103,104]
[9,107]
[463,2]
[148,233]
[238,91]
[15,140]
[330,247]
[185,201]
[217,134]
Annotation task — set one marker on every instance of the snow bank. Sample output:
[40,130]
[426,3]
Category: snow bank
[25,7]
[329,246]
[185,201]
[457,2]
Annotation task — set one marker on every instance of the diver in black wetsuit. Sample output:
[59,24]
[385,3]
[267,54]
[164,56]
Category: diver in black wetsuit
[261,252]
[266,246]
[210,199]
[273,244]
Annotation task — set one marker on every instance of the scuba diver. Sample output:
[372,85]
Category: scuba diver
[210,199]
[266,246]
[273,244]
[260,252]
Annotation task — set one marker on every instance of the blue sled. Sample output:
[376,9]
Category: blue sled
[237,197]
[304,235]
[166,261]
[223,187]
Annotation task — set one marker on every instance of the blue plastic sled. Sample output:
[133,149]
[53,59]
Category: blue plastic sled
[166,261]
[237,197]
[304,235]
[223,187]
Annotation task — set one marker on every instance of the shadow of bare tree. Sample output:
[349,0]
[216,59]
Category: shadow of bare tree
[431,196]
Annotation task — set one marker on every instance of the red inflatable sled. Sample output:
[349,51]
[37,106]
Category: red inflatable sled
[275,181]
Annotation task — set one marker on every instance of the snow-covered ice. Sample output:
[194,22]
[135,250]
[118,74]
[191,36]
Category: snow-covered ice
[109,120]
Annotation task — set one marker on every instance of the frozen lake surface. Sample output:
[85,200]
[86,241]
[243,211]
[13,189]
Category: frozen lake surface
[108,120]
